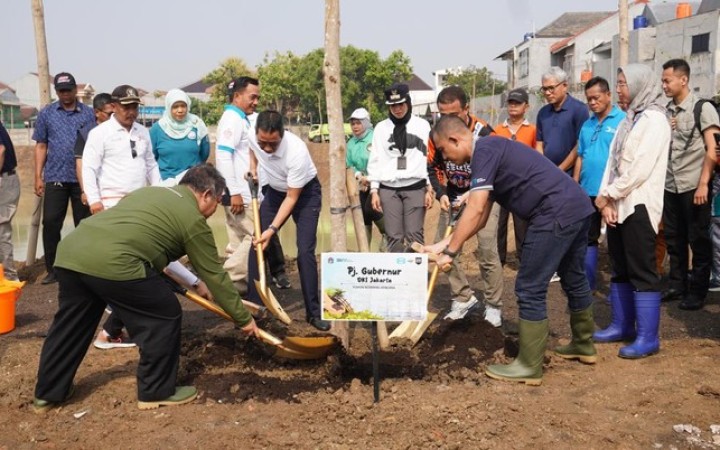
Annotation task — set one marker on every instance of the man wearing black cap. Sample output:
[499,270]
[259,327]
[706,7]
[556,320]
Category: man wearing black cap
[397,170]
[55,132]
[516,128]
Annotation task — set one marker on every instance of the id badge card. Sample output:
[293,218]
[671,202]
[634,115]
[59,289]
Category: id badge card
[402,163]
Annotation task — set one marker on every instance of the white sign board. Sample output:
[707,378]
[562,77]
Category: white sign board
[374,286]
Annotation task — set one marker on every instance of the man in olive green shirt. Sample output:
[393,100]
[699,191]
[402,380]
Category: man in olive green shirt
[117,257]
[686,209]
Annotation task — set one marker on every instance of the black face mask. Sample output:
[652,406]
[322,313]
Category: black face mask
[400,131]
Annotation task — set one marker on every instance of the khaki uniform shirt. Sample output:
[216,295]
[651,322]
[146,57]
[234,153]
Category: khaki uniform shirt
[686,161]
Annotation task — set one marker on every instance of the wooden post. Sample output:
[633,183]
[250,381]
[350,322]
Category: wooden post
[38,12]
[624,34]
[333,98]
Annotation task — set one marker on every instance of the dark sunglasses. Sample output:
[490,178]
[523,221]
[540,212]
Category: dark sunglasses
[133,152]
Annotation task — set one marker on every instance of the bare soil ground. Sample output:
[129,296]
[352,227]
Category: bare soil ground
[432,396]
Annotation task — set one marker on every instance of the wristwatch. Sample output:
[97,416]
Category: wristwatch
[196,283]
[273,227]
[446,251]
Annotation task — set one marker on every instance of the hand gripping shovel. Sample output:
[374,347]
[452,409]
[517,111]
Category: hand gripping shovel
[290,347]
[264,291]
[414,329]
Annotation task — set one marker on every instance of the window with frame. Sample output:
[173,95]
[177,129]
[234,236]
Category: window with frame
[524,63]
[700,43]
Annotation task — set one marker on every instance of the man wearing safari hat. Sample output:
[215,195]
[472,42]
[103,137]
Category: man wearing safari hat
[55,177]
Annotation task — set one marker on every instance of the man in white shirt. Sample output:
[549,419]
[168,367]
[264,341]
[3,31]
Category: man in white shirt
[118,154]
[232,160]
[292,189]
[117,159]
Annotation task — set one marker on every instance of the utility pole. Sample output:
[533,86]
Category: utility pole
[38,12]
[624,33]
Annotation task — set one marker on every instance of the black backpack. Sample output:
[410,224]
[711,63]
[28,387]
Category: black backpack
[697,111]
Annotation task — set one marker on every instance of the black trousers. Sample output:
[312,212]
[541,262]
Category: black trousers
[631,245]
[55,206]
[306,215]
[151,312]
[520,227]
[686,224]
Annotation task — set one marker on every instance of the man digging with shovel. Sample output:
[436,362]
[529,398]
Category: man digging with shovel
[558,213]
[145,231]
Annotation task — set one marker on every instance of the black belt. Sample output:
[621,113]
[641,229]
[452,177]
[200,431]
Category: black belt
[9,172]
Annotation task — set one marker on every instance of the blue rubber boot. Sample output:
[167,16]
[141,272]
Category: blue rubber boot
[591,260]
[647,308]
[622,325]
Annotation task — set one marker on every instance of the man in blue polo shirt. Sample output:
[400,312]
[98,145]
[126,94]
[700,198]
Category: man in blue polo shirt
[558,214]
[559,122]
[55,177]
[596,135]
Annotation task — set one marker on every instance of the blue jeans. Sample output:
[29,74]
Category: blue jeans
[544,252]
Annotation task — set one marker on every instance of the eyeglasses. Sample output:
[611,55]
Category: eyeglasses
[107,113]
[550,89]
[621,84]
[513,137]
[596,133]
[133,152]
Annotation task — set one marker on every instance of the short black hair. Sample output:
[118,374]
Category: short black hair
[598,81]
[447,124]
[204,177]
[678,65]
[451,94]
[270,121]
[239,85]
[102,99]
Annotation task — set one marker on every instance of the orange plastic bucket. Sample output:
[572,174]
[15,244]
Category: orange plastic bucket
[9,293]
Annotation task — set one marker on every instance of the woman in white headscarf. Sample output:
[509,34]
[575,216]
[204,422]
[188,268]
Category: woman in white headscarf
[179,138]
[631,202]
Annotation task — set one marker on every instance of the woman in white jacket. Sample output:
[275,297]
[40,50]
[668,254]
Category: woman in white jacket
[631,202]
[397,170]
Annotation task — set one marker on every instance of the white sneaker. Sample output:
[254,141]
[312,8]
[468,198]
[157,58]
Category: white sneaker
[105,342]
[555,278]
[493,316]
[458,310]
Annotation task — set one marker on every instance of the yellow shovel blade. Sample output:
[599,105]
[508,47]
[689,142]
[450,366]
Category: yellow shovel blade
[269,300]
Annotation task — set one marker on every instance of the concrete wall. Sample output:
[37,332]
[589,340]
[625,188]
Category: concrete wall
[674,40]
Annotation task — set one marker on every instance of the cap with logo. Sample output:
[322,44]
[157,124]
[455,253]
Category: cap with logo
[518,95]
[64,81]
[397,93]
[126,95]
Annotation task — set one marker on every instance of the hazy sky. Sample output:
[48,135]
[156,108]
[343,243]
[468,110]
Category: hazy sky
[161,44]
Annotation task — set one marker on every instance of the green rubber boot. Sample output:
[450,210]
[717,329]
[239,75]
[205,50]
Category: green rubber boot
[368,233]
[581,346]
[528,366]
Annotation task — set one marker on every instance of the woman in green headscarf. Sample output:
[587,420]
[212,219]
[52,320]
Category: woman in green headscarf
[179,138]
[358,152]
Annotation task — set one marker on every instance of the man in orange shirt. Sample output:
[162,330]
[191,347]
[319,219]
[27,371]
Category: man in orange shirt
[517,128]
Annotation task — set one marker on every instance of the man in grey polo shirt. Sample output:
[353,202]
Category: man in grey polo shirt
[686,214]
